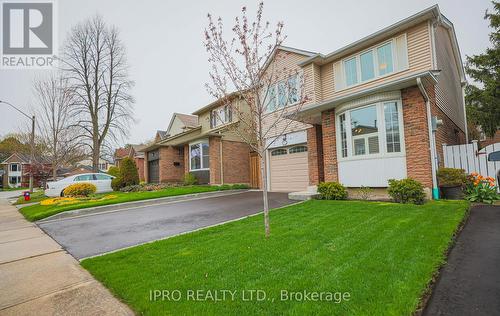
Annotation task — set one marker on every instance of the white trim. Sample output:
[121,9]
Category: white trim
[381,132]
[198,142]
[357,56]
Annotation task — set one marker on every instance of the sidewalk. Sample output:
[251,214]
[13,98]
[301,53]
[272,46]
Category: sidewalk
[469,283]
[39,278]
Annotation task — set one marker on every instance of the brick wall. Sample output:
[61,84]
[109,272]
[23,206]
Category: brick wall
[329,147]
[315,154]
[168,171]
[214,144]
[146,173]
[236,162]
[418,159]
[139,162]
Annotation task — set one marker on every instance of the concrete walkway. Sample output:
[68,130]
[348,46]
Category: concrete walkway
[469,283]
[37,277]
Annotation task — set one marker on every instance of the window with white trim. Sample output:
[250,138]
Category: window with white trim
[297,149]
[199,156]
[374,130]
[282,94]
[378,61]
[279,152]
[15,167]
[220,116]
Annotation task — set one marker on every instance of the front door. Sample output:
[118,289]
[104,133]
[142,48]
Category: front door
[154,171]
[254,171]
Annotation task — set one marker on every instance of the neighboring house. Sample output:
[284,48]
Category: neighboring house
[17,169]
[200,144]
[136,152]
[372,107]
[485,140]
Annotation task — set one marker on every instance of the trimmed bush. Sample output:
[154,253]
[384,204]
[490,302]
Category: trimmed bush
[451,177]
[332,191]
[117,184]
[128,172]
[190,179]
[80,190]
[114,171]
[406,191]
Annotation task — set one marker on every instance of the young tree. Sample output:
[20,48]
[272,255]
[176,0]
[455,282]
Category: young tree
[95,65]
[483,102]
[247,62]
[54,99]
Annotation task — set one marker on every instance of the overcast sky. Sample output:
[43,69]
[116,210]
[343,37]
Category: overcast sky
[164,41]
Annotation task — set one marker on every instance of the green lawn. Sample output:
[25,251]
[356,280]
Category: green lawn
[37,212]
[383,254]
[14,189]
[36,196]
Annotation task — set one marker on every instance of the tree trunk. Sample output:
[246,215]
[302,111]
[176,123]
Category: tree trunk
[96,153]
[263,172]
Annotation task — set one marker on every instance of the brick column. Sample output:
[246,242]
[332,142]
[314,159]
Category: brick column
[186,158]
[418,157]
[329,146]
[214,144]
[146,165]
[315,154]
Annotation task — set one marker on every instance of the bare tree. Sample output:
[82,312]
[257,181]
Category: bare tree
[247,62]
[95,65]
[54,98]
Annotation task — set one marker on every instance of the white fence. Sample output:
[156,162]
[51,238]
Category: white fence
[469,158]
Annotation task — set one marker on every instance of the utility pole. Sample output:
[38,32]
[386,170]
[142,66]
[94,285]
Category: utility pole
[32,141]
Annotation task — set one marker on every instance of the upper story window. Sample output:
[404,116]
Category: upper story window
[220,116]
[282,94]
[375,62]
[199,156]
[15,167]
[370,130]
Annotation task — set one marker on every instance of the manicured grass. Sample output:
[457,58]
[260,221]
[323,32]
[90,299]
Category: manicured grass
[383,254]
[36,196]
[37,212]
[14,189]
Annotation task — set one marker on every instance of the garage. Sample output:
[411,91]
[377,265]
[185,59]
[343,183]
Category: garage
[288,168]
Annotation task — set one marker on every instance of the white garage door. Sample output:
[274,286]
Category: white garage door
[288,168]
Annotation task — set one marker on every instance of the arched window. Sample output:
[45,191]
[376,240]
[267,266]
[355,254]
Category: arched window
[278,152]
[297,149]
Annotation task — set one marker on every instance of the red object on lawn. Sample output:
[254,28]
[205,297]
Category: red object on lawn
[27,196]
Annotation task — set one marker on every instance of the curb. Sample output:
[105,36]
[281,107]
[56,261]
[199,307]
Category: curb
[136,204]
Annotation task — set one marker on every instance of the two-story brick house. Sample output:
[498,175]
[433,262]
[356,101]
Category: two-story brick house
[205,144]
[377,109]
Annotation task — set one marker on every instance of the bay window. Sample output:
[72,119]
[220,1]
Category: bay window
[372,130]
[384,54]
[199,158]
[220,116]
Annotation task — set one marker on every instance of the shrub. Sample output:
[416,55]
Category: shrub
[365,193]
[114,171]
[332,191]
[451,177]
[239,186]
[117,184]
[406,191]
[128,172]
[190,179]
[80,189]
[481,189]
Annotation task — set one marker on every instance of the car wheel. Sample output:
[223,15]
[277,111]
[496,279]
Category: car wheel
[62,193]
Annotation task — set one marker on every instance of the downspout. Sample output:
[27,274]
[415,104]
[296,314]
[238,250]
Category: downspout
[432,143]
[221,163]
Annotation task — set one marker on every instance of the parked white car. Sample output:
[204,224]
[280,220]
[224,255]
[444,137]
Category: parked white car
[102,182]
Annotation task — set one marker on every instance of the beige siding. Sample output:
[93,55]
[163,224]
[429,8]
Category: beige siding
[419,59]
[284,64]
[176,127]
[448,90]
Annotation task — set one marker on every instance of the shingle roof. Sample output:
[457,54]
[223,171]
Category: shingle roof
[188,120]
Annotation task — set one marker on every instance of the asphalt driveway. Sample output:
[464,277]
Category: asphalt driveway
[469,283]
[90,235]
